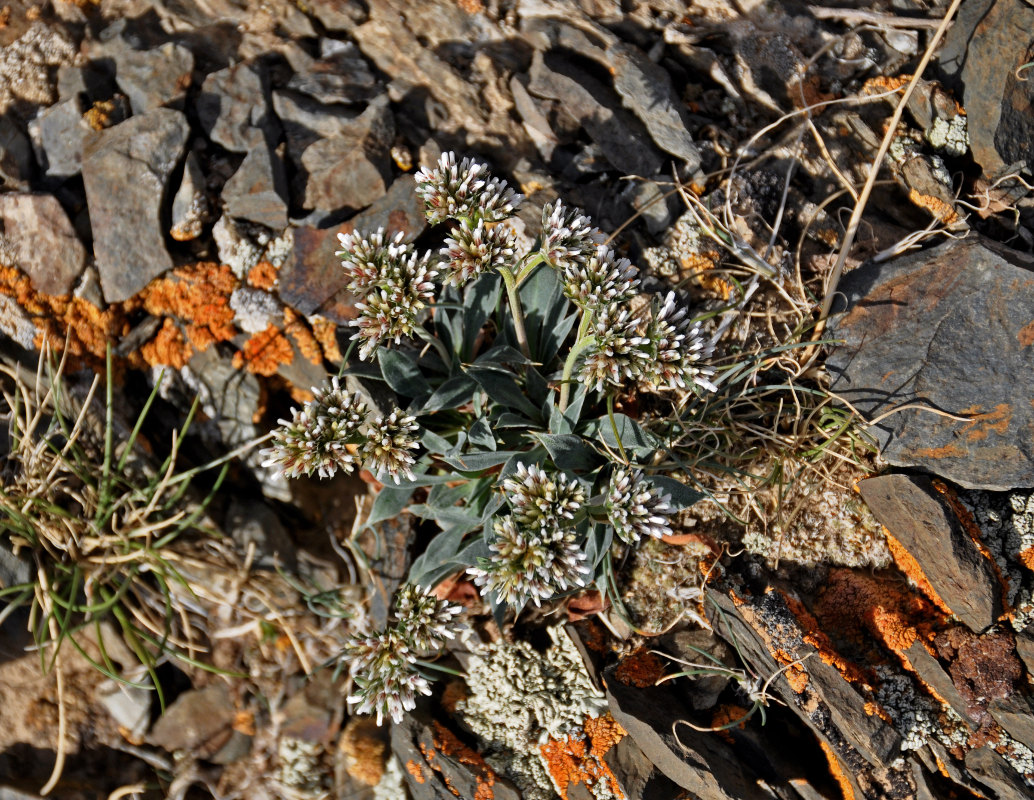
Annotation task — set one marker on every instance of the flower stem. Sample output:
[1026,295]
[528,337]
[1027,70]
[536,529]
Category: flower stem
[581,343]
[534,259]
[614,427]
[516,310]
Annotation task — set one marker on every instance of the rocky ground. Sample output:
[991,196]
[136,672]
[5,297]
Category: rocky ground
[173,174]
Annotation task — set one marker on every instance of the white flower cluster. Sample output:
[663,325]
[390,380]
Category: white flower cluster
[660,350]
[335,431]
[393,283]
[464,191]
[383,664]
[634,508]
[535,552]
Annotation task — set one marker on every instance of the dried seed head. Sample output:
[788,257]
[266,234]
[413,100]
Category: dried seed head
[602,279]
[423,619]
[315,440]
[618,353]
[464,191]
[681,349]
[472,251]
[542,500]
[635,508]
[567,235]
[530,564]
[389,441]
[366,259]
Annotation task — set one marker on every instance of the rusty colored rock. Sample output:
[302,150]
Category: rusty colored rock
[312,281]
[949,329]
[921,519]
[983,54]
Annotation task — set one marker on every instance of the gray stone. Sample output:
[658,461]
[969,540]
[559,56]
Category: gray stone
[342,76]
[596,108]
[255,523]
[339,15]
[233,108]
[256,192]
[932,674]
[1016,716]
[190,205]
[199,719]
[434,771]
[129,706]
[981,56]
[389,42]
[14,570]
[949,329]
[306,121]
[42,241]
[57,135]
[996,773]
[1025,649]
[645,89]
[922,520]
[153,78]
[125,172]
[16,161]
[349,170]
[699,762]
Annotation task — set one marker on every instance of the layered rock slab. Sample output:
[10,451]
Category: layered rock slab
[938,348]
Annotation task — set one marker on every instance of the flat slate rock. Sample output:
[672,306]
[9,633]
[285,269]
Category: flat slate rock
[44,242]
[57,134]
[699,762]
[233,108]
[951,329]
[982,53]
[125,172]
[257,191]
[920,518]
[153,78]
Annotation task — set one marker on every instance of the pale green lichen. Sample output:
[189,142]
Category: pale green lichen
[521,698]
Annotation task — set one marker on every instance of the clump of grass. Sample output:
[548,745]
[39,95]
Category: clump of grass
[98,526]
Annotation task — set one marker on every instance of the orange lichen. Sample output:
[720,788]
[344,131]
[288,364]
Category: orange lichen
[836,769]
[263,276]
[907,564]
[325,332]
[884,83]
[1027,558]
[876,710]
[641,668]
[98,116]
[264,352]
[61,319]
[308,346]
[857,606]
[447,742]
[416,771]
[199,295]
[938,208]
[167,347]
[817,638]
[579,758]
[471,6]
[1025,336]
[726,714]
